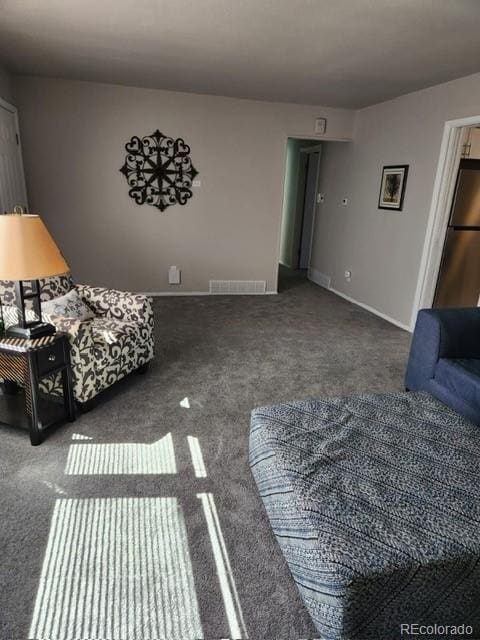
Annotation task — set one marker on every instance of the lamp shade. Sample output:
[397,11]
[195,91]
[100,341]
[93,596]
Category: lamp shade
[27,250]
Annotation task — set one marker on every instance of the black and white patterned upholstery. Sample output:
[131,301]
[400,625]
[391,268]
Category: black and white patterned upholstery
[118,340]
[49,288]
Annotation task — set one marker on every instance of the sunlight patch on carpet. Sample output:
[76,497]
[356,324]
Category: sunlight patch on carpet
[122,458]
[197,457]
[230,597]
[55,487]
[116,568]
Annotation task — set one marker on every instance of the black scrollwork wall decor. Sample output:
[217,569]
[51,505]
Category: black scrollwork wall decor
[159,170]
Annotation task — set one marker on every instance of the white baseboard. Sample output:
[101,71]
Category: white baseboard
[320,278]
[376,312]
[160,294]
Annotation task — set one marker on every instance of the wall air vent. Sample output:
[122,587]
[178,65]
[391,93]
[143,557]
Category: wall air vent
[238,287]
[322,279]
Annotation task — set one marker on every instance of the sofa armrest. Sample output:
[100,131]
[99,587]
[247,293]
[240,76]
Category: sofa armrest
[120,305]
[441,333]
[80,337]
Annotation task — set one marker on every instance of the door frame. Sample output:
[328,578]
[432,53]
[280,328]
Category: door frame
[443,189]
[13,109]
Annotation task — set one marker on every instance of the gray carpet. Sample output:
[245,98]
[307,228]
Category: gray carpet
[226,355]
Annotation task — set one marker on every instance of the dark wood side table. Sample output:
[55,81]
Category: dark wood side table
[26,362]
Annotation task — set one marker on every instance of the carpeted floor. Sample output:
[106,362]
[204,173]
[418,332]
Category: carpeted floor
[226,355]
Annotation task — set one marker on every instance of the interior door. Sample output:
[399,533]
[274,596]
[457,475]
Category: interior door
[12,181]
[309,209]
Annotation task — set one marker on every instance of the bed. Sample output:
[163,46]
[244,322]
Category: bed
[375,503]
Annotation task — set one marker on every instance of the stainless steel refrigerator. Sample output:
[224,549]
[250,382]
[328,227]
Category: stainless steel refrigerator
[458,283]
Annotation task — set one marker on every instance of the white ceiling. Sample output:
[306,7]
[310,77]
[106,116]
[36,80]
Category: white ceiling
[346,53]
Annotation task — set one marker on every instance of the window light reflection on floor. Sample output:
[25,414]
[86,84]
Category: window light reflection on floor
[120,567]
[122,458]
[55,487]
[188,403]
[116,568]
[197,457]
[224,570]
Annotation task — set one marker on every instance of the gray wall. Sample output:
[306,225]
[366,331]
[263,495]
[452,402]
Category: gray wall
[73,136]
[383,249]
[6,88]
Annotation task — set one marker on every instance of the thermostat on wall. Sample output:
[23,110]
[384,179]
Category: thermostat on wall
[321,125]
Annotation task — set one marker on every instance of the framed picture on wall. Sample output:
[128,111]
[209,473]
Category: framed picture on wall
[392,188]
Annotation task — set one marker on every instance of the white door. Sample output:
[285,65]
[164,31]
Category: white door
[12,180]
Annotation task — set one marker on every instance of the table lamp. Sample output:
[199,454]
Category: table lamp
[27,254]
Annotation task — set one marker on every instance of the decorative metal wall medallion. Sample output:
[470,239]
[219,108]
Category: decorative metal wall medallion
[159,170]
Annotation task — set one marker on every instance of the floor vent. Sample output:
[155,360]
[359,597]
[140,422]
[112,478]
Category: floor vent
[238,287]
[319,278]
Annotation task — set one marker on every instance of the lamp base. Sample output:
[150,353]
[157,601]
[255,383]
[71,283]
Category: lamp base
[31,331]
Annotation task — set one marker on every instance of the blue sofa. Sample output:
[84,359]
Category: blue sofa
[445,358]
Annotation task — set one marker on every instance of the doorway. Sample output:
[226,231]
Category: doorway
[458,281]
[460,145]
[299,204]
[12,181]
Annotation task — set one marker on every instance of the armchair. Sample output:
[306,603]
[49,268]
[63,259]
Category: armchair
[445,358]
[118,340]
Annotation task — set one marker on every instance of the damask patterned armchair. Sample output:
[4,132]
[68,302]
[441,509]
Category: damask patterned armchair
[117,340]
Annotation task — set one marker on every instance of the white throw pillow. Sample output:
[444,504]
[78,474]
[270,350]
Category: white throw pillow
[68,306]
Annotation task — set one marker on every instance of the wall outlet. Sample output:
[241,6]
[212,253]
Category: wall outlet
[173,275]
[320,198]
[344,202]
[348,275]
